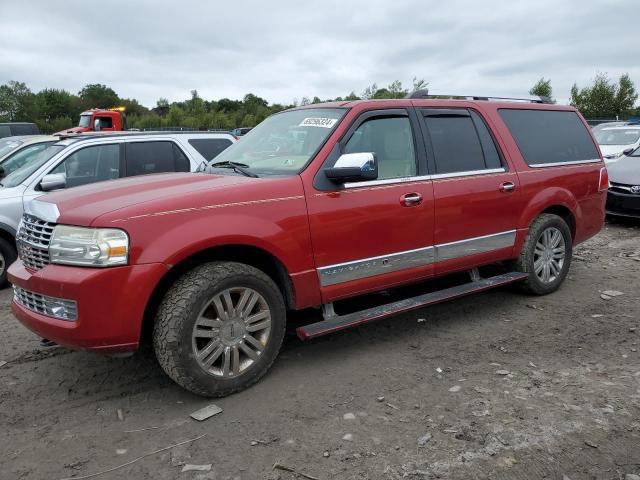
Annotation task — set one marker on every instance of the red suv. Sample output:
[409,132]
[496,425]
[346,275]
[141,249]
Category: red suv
[315,206]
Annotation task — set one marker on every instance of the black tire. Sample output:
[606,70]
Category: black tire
[180,309]
[8,255]
[525,263]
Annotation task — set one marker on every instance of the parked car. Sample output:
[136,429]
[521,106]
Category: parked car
[18,128]
[239,132]
[623,197]
[83,159]
[617,141]
[18,151]
[376,195]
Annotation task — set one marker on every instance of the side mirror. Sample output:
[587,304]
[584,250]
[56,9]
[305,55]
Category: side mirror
[53,181]
[96,125]
[353,167]
[628,151]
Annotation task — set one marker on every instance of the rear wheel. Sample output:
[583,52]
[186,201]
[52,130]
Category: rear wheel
[546,254]
[219,328]
[8,255]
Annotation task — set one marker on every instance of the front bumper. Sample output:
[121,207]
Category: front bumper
[623,204]
[110,303]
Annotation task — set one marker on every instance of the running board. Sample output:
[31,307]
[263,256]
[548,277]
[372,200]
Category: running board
[333,322]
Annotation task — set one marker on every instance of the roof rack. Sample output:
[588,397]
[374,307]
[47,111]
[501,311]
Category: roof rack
[424,93]
[86,135]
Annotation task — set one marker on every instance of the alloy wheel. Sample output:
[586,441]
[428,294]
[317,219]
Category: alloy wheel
[549,255]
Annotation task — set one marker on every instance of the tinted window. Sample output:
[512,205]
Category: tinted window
[105,122]
[545,136]
[391,140]
[5,131]
[91,164]
[209,148]
[155,157]
[455,143]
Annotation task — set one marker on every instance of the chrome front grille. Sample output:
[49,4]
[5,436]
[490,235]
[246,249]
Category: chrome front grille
[34,236]
[623,188]
[44,305]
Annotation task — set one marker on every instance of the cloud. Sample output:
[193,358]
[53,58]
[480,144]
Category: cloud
[284,50]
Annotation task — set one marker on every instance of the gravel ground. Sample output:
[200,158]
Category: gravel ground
[499,385]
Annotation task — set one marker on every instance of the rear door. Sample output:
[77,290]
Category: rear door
[371,235]
[476,194]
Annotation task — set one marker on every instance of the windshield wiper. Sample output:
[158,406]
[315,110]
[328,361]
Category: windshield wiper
[237,167]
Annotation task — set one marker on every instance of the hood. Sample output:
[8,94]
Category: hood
[82,205]
[625,171]
[612,149]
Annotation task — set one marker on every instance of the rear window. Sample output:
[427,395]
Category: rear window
[547,137]
[209,148]
[155,157]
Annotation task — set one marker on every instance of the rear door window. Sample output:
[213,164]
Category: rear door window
[460,141]
[549,137]
[210,148]
[155,157]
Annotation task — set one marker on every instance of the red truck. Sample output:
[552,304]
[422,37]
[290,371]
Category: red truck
[320,206]
[100,119]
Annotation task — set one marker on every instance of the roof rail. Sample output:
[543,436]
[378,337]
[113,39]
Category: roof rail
[424,93]
[118,133]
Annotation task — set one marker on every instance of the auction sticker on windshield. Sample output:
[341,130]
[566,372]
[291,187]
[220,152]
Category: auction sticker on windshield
[318,122]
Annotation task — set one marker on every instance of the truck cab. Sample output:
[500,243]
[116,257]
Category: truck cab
[100,120]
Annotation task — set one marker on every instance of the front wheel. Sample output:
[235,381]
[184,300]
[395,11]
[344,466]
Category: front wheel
[8,255]
[219,328]
[546,254]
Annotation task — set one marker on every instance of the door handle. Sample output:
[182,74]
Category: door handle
[410,199]
[507,187]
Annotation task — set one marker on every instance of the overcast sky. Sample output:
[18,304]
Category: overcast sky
[281,50]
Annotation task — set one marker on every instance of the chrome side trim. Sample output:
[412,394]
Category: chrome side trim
[368,267]
[391,181]
[473,246]
[43,210]
[393,262]
[560,164]
[469,173]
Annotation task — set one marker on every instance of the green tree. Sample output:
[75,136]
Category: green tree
[96,95]
[542,88]
[53,103]
[17,103]
[605,98]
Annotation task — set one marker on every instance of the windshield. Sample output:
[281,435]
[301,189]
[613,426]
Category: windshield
[8,145]
[21,174]
[23,156]
[283,143]
[619,136]
[85,121]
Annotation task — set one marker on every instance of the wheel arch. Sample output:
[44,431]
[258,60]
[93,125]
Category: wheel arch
[242,253]
[558,202]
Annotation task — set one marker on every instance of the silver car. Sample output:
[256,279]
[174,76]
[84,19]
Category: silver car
[84,159]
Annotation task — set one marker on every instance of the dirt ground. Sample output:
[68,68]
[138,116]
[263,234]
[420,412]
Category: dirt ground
[499,385]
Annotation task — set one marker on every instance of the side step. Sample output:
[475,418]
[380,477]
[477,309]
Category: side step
[334,322]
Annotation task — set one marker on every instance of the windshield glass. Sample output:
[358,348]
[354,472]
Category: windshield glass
[85,121]
[283,143]
[23,156]
[619,136]
[7,145]
[21,174]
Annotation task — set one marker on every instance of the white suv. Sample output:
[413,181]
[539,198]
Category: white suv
[88,158]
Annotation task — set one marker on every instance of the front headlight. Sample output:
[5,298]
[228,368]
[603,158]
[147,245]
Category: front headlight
[91,247]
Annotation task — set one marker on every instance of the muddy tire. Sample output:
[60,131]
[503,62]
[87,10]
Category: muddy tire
[219,328]
[546,254]
[8,255]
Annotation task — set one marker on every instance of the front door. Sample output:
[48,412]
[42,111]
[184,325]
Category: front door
[477,199]
[370,235]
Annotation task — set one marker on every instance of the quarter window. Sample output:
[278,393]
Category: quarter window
[547,136]
[391,139]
